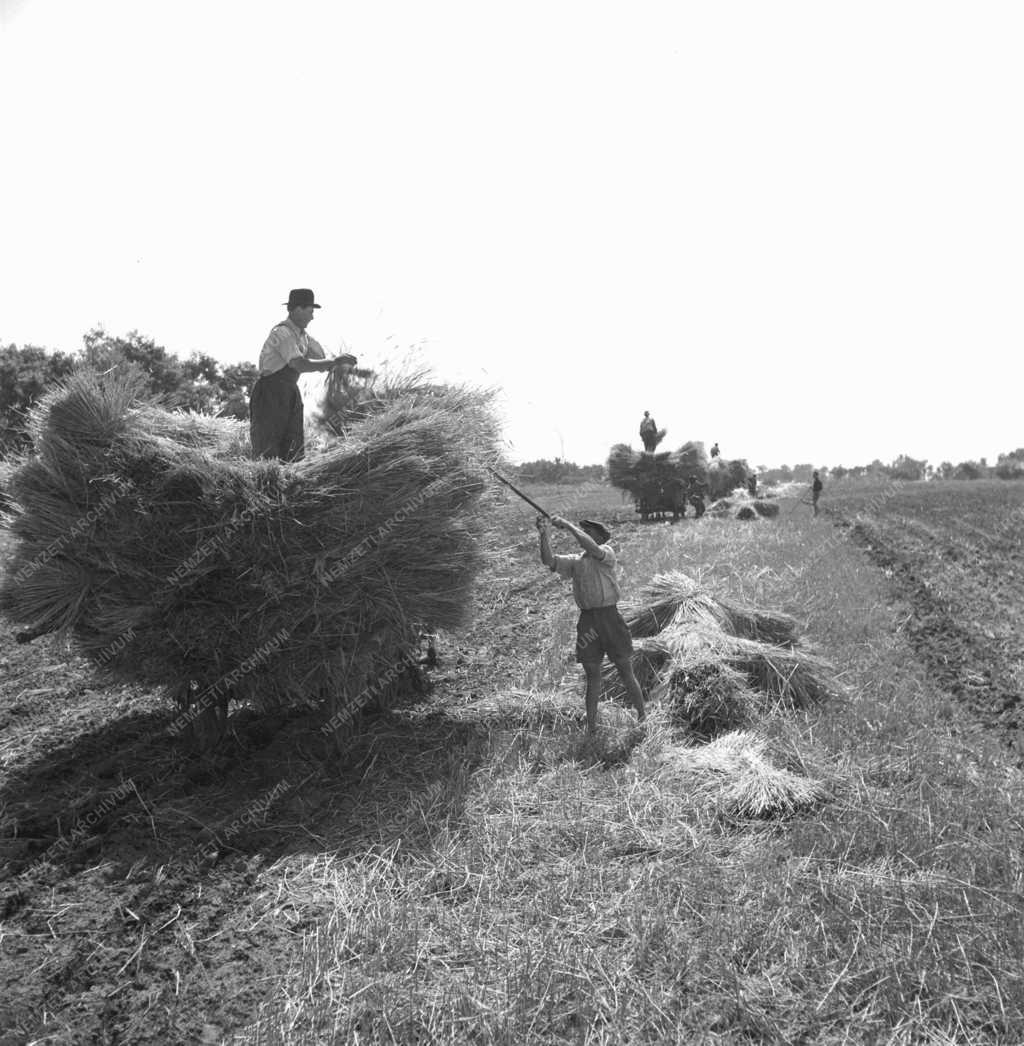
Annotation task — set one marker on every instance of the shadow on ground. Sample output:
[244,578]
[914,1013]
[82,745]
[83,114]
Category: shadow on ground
[127,791]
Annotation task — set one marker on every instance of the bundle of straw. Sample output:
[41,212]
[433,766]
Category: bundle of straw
[718,663]
[675,595]
[691,455]
[622,461]
[787,677]
[725,476]
[736,772]
[172,561]
[709,698]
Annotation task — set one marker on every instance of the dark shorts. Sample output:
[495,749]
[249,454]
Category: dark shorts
[602,631]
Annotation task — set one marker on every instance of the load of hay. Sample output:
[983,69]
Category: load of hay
[170,559]
[725,476]
[658,481]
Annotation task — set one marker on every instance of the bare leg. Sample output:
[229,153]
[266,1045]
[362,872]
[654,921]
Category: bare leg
[593,673]
[629,681]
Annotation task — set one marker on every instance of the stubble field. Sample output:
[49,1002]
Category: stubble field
[476,870]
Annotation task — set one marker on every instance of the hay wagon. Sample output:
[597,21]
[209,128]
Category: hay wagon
[659,499]
[661,484]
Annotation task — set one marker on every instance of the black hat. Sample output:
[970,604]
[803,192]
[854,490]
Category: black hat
[300,298]
[602,531]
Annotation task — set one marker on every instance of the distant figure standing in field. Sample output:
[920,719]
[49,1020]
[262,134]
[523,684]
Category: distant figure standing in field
[714,449]
[695,491]
[816,486]
[752,484]
[600,629]
[649,432]
[275,408]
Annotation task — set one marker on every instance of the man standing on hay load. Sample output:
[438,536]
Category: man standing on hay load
[275,409]
[600,629]
[649,432]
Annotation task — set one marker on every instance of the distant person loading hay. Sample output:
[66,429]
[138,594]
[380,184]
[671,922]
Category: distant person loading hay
[649,432]
[275,412]
[600,629]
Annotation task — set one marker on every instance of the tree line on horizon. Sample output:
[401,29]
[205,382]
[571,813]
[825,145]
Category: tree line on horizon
[198,383]
[904,468]
[201,383]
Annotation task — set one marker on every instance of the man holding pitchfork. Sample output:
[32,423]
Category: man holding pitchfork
[600,629]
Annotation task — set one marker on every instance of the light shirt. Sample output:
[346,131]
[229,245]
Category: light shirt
[593,579]
[287,342]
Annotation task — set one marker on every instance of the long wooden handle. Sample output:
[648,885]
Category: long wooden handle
[516,490]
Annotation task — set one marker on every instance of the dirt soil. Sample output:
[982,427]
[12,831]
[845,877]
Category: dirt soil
[954,553]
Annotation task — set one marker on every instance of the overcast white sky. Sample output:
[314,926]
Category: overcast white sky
[794,228]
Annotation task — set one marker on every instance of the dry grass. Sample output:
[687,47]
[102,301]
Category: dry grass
[510,882]
[585,900]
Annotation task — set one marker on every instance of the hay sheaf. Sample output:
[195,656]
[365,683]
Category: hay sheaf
[765,509]
[785,677]
[171,560]
[717,664]
[735,771]
[674,594]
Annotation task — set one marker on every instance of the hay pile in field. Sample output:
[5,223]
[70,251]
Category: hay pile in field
[719,665]
[765,509]
[171,560]
[741,506]
[718,662]
[736,772]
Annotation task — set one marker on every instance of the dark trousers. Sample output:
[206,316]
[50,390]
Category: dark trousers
[275,416]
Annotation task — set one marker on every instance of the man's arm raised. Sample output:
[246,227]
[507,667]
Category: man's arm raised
[587,543]
[546,555]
